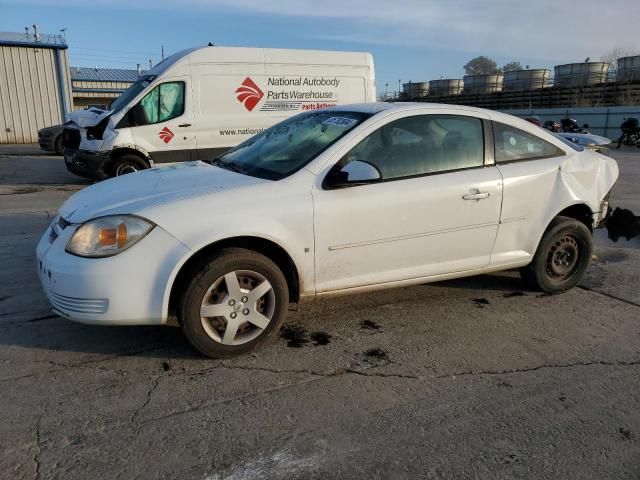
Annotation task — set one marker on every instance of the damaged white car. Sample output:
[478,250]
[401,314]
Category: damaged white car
[342,200]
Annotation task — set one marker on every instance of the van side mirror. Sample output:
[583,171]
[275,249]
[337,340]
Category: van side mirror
[353,173]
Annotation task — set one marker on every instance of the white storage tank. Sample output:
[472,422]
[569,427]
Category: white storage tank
[534,79]
[483,83]
[628,69]
[415,90]
[447,86]
[580,74]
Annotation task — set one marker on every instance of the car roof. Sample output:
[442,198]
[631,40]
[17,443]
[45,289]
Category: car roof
[373,108]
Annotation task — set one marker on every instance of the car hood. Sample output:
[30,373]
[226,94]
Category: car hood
[88,118]
[132,193]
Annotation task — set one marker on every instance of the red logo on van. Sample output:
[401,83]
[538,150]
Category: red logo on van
[249,94]
[165,135]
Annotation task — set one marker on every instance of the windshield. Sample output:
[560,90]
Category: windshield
[131,93]
[288,146]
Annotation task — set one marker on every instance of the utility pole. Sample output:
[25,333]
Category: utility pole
[399,88]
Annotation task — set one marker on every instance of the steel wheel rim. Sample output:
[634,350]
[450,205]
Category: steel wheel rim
[125,169]
[237,307]
[563,258]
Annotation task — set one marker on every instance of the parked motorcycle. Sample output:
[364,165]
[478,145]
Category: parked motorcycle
[552,126]
[571,125]
[630,133]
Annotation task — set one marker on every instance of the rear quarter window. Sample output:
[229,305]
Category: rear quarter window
[513,144]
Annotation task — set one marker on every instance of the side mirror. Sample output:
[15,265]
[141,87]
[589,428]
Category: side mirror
[353,173]
[586,125]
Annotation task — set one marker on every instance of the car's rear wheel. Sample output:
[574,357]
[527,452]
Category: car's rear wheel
[562,257]
[233,303]
[127,163]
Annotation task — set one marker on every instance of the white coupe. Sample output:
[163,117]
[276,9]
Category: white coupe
[342,200]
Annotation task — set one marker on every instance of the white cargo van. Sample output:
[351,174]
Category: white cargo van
[199,102]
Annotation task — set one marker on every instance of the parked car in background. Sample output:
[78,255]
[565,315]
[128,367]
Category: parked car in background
[589,140]
[51,139]
[342,200]
[199,102]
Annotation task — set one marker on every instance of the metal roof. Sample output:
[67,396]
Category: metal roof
[103,74]
[45,40]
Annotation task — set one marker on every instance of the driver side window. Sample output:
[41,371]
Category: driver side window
[421,145]
[164,102]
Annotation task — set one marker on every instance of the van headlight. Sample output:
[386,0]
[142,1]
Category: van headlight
[108,236]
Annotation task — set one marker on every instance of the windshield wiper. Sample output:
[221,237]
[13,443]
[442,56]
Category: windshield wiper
[228,165]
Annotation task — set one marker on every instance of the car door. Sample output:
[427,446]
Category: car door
[435,211]
[531,170]
[166,131]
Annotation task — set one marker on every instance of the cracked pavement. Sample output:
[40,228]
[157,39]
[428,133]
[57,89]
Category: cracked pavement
[472,378]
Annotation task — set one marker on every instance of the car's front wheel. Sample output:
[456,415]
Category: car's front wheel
[562,257]
[233,303]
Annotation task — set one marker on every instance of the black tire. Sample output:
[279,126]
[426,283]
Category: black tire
[205,276]
[620,140]
[58,145]
[127,163]
[562,257]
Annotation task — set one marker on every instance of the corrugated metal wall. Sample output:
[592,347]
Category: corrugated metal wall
[29,91]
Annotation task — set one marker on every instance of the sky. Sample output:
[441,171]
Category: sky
[411,40]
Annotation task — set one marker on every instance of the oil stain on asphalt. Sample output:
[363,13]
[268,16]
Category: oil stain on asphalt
[296,336]
[622,230]
[376,357]
[320,338]
[480,302]
[370,325]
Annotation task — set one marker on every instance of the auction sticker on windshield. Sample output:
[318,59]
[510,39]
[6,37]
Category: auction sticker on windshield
[340,122]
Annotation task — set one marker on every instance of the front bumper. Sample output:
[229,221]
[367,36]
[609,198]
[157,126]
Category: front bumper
[86,163]
[46,141]
[130,288]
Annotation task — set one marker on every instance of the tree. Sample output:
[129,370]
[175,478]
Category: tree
[511,66]
[612,57]
[481,66]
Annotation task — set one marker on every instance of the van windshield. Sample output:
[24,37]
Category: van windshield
[131,93]
[288,146]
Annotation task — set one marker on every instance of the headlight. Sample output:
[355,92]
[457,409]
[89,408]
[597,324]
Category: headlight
[107,236]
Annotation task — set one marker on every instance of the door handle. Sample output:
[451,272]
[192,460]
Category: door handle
[184,125]
[476,195]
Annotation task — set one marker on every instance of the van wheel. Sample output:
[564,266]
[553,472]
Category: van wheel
[127,163]
[58,146]
[562,257]
[233,303]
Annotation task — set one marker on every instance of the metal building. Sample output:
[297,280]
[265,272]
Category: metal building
[35,89]
[98,87]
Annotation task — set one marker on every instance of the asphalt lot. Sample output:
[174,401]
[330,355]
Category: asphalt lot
[473,378]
